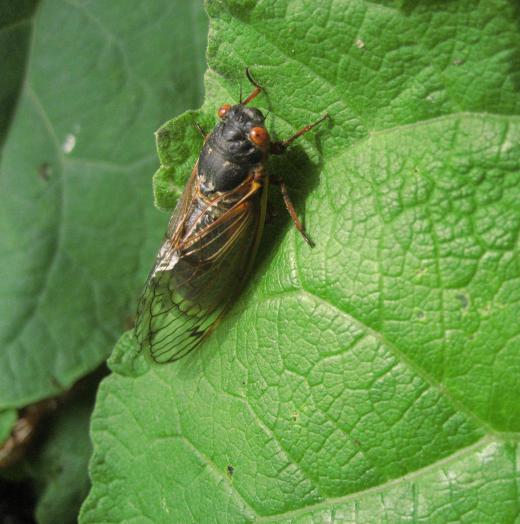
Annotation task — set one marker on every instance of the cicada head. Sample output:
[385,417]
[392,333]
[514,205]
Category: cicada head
[241,135]
[239,144]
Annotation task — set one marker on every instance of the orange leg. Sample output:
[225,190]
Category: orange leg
[278,148]
[257,90]
[292,212]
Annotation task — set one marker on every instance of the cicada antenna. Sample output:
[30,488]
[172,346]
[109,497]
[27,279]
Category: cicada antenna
[256,91]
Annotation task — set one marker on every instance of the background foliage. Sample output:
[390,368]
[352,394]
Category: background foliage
[374,378]
[93,80]
[370,379]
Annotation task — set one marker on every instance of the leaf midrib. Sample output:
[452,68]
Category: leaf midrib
[326,503]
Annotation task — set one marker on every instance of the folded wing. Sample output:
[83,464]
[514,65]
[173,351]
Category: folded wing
[200,267]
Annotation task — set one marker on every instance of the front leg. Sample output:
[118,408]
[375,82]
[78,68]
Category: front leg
[278,148]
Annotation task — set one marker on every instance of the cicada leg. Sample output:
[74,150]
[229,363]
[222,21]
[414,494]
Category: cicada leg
[201,131]
[256,91]
[278,148]
[292,212]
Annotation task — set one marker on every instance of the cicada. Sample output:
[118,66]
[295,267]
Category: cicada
[213,233]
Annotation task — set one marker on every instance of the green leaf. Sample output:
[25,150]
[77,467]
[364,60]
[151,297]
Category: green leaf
[373,378]
[77,232]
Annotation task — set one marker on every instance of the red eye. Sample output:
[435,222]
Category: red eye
[222,112]
[259,136]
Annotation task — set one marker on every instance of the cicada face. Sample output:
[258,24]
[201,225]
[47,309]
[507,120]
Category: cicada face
[212,236]
[238,144]
[242,133]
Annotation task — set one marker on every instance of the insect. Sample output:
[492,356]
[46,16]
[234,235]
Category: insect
[213,233]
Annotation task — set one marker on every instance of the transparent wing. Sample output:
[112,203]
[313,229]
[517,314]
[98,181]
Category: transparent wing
[199,269]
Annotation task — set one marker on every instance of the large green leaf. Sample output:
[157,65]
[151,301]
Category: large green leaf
[77,233]
[374,378]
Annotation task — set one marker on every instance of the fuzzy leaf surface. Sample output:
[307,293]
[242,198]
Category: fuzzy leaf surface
[373,378]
